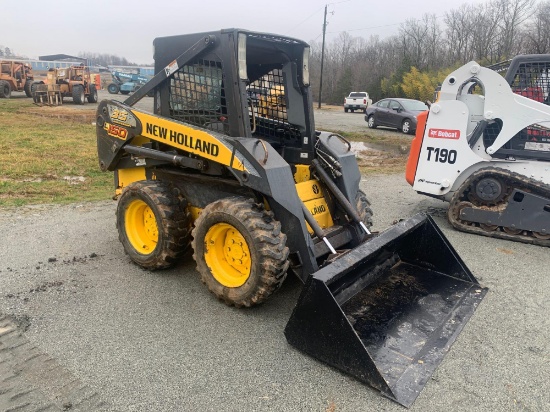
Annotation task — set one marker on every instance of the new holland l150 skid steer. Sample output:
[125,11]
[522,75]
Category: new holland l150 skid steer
[484,146]
[256,191]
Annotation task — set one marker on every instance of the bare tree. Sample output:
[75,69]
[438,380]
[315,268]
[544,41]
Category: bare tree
[485,24]
[459,33]
[422,41]
[537,34]
[512,13]
[106,59]
[488,33]
[435,43]
[413,34]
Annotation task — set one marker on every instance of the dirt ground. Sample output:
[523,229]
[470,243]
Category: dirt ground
[99,333]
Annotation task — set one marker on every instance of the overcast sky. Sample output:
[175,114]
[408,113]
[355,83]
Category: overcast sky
[127,28]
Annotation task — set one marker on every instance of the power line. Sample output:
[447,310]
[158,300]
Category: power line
[306,19]
[314,13]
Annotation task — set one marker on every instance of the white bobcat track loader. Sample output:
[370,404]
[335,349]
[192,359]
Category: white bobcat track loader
[484,146]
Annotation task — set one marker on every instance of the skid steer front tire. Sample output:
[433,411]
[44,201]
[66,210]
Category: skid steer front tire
[240,251]
[153,224]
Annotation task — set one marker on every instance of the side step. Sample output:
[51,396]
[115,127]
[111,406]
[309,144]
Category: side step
[388,311]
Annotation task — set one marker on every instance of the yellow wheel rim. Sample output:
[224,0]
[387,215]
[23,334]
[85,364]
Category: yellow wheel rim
[227,255]
[141,227]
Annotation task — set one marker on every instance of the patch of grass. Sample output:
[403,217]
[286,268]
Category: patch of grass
[48,154]
[47,160]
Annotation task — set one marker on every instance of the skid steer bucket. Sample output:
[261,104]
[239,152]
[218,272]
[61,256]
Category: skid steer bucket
[388,311]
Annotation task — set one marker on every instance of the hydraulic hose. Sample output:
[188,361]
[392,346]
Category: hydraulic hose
[340,198]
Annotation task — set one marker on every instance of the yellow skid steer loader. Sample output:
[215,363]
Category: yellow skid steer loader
[257,192]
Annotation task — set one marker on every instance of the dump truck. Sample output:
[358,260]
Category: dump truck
[484,147]
[254,194]
[15,76]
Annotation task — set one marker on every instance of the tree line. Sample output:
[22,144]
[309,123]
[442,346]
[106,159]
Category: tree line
[101,59]
[104,59]
[414,61]
[6,52]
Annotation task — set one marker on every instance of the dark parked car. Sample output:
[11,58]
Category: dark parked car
[398,113]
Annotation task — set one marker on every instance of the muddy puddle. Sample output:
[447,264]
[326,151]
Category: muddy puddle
[397,149]
[379,156]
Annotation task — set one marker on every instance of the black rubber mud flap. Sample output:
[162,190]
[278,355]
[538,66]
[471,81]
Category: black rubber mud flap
[388,311]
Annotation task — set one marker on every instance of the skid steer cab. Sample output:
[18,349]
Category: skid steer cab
[256,192]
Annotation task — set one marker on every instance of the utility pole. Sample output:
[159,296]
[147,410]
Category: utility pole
[322,57]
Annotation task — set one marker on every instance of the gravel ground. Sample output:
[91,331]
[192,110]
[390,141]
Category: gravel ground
[159,341]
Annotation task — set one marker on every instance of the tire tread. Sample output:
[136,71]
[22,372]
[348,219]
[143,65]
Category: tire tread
[175,221]
[270,244]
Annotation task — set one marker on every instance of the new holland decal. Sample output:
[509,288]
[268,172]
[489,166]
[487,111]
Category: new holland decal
[189,139]
[181,139]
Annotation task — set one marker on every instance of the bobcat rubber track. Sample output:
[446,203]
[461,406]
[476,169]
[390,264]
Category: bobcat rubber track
[513,181]
[32,381]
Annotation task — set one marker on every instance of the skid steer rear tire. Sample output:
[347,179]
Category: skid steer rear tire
[5,89]
[240,251]
[78,94]
[153,224]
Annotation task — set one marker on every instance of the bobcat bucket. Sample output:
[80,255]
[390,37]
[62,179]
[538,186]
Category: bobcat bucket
[389,310]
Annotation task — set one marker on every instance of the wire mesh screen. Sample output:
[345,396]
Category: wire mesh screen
[268,109]
[534,139]
[532,80]
[197,95]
